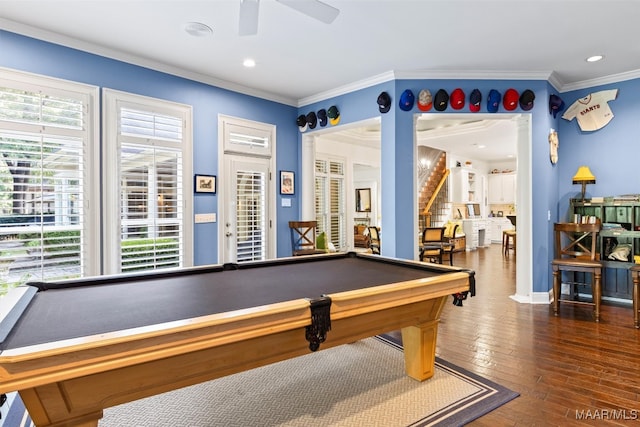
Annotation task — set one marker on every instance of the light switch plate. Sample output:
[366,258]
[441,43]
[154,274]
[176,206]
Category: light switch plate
[205,217]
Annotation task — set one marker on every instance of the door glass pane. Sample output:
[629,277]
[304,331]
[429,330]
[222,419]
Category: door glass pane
[250,215]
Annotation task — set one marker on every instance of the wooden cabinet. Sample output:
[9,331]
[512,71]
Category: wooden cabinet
[620,219]
[502,188]
[465,186]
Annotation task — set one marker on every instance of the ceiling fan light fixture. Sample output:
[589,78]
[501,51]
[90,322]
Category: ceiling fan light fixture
[198,29]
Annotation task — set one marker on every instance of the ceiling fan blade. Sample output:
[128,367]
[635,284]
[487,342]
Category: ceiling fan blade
[248,25]
[313,8]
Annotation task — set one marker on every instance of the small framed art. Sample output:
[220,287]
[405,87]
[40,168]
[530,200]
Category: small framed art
[287,182]
[205,184]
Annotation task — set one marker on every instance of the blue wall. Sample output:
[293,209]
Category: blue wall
[398,186]
[609,152]
[35,56]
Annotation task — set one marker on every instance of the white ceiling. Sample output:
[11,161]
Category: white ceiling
[301,60]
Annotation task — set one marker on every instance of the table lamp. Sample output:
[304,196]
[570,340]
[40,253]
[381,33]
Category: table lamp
[584,177]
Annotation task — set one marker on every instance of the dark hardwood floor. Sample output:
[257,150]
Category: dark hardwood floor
[563,367]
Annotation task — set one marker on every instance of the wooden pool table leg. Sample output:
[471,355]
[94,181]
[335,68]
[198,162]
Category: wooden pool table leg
[47,407]
[419,343]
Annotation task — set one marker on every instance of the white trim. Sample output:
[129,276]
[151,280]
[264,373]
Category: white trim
[90,96]
[272,179]
[550,76]
[111,168]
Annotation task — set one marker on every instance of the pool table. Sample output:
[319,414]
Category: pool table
[73,348]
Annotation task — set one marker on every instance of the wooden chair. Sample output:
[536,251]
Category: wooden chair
[575,252]
[434,245]
[508,242]
[374,239]
[635,276]
[303,238]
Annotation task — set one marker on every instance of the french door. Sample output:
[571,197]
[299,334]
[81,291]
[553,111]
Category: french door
[246,227]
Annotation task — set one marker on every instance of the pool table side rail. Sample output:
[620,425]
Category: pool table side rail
[23,367]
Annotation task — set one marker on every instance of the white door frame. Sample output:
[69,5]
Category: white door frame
[225,174]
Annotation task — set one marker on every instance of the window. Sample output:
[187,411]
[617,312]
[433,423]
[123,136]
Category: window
[329,200]
[47,231]
[147,147]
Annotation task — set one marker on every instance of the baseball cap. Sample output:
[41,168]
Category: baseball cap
[406,100]
[301,121]
[334,115]
[441,101]
[312,120]
[384,102]
[510,100]
[425,100]
[322,117]
[526,100]
[556,104]
[493,101]
[474,100]
[457,99]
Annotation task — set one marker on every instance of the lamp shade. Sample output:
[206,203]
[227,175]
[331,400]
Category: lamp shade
[584,175]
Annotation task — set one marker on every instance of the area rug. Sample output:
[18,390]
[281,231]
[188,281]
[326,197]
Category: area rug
[356,384]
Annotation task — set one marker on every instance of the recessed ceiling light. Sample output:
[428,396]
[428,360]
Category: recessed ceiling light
[249,63]
[595,58]
[198,29]
[482,146]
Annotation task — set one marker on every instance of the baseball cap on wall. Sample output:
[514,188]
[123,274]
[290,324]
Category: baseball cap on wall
[441,100]
[425,100]
[457,99]
[510,99]
[493,101]
[322,117]
[406,100]
[301,121]
[334,115]
[556,104]
[312,120]
[474,100]
[384,102]
[526,99]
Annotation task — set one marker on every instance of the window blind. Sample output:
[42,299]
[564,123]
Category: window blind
[43,181]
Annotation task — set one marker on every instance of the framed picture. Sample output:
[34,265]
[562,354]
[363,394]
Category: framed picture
[205,184]
[287,182]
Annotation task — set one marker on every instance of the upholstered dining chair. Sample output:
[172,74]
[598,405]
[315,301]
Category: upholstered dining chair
[303,238]
[434,245]
[575,253]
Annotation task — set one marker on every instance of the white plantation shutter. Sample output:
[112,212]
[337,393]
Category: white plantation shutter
[45,162]
[147,141]
[250,216]
[330,195]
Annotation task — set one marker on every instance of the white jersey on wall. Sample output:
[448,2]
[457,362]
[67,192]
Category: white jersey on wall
[592,111]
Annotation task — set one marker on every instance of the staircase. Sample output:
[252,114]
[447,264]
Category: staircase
[434,208]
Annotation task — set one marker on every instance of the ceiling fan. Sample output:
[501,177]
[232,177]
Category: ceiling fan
[313,8]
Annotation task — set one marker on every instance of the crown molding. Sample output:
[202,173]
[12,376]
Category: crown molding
[550,76]
[614,78]
[57,38]
[351,87]
[472,75]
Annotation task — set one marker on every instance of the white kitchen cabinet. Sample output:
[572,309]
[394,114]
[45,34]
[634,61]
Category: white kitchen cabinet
[497,226]
[466,186]
[502,188]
